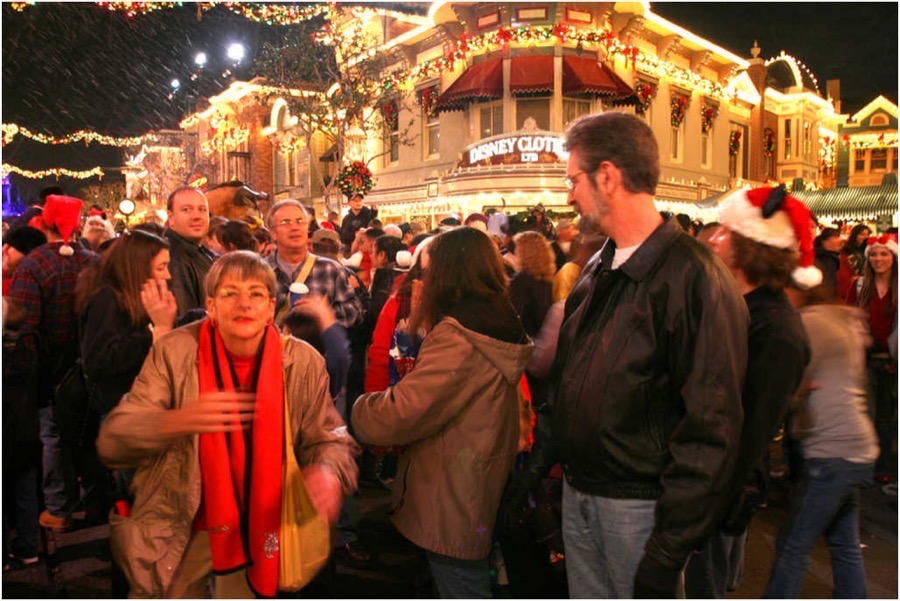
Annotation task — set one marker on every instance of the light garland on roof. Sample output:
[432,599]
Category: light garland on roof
[796,66]
[56,171]
[882,140]
[567,34]
[11,130]
[276,14]
[20,6]
[227,140]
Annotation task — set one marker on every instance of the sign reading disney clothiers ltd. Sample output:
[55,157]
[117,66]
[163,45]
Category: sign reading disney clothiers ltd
[516,148]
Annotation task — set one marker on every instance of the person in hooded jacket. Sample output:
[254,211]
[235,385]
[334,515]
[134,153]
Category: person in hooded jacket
[456,412]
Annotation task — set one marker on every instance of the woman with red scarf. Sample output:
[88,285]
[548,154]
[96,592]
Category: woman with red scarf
[203,425]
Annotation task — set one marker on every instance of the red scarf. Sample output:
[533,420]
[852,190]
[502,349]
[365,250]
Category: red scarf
[244,531]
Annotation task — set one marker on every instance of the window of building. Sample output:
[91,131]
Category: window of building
[807,142]
[705,150]
[391,118]
[533,113]
[432,134]
[879,159]
[573,109]
[879,119]
[787,139]
[239,165]
[491,123]
[859,160]
[676,143]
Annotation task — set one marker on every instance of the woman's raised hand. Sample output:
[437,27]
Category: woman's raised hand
[159,302]
[213,412]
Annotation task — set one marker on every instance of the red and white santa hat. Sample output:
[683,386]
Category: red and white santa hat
[888,241]
[773,217]
[63,213]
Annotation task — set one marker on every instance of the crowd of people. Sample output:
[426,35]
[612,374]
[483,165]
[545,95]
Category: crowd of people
[644,362]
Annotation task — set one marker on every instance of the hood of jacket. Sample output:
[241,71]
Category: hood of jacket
[496,334]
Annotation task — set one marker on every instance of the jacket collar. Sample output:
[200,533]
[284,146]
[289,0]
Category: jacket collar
[638,266]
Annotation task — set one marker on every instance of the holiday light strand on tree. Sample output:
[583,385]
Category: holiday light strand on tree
[11,130]
[56,171]
[132,9]
[276,14]
[826,152]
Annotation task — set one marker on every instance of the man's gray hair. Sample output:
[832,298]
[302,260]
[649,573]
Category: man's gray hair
[287,202]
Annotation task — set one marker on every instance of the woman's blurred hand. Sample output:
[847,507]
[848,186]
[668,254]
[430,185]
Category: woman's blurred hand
[324,489]
[318,307]
[213,412]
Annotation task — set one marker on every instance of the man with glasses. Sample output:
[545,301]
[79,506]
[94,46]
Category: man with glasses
[646,414]
[188,224]
[288,221]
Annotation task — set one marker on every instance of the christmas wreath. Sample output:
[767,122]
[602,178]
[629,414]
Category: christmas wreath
[769,142]
[355,177]
[734,142]
[428,98]
[645,92]
[707,116]
[679,106]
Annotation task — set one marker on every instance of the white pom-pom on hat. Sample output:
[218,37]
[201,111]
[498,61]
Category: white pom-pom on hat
[787,226]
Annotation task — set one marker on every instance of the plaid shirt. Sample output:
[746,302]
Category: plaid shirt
[44,286]
[327,278]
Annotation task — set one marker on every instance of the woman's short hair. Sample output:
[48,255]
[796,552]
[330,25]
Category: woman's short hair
[535,255]
[241,265]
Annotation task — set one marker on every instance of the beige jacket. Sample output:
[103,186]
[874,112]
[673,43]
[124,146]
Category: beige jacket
[458,412]
[149,544]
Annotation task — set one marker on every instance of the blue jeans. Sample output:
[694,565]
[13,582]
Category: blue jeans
[604,541]
[460,578]
[825,501]
[59,483]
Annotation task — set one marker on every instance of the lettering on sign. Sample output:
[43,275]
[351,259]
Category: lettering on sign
[516,149]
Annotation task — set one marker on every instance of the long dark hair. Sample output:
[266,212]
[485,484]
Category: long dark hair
[125,266]
[465,264]
[851,246]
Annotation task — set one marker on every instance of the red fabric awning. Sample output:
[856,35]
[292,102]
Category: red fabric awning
[587,76]
[531,74]
[481,81]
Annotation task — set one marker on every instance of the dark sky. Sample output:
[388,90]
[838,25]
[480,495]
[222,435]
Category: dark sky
[74,65]
[854,42]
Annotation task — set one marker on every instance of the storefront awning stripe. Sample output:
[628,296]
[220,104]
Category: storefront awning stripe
[482,81]
[531,74]
[587,76]
[853,202]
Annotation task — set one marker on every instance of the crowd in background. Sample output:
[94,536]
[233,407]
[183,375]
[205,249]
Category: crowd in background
[411,324]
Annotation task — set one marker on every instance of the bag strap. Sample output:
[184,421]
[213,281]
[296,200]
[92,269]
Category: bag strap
[306,269]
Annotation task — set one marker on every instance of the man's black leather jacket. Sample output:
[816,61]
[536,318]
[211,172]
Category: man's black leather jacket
[649,375]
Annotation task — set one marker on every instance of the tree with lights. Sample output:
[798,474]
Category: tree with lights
[331,75]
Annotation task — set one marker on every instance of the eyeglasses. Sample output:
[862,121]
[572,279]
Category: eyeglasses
[297,221]
[231,295]
[572,180]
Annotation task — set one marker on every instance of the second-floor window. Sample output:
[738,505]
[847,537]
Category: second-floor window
[859,160]
[705,150]
[491,122]
[533,113]
[675,144]
[879,159]
[788,140]
[573,109]
[432,135]
[389,113]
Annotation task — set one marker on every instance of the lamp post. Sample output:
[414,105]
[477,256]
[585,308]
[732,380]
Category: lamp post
[126,207]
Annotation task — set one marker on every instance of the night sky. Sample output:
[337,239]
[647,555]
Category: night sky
[73,66]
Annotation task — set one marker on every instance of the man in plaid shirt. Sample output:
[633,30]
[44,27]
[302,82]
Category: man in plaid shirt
[43,286]
[288,221]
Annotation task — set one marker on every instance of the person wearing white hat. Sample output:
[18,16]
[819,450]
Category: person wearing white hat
[764,238]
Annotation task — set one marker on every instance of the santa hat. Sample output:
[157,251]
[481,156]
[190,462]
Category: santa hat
[888,241]
[63,213]
[772,217]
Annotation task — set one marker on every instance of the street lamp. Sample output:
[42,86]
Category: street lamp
[200,59]
[236,52]
[175,84]
[126,207]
